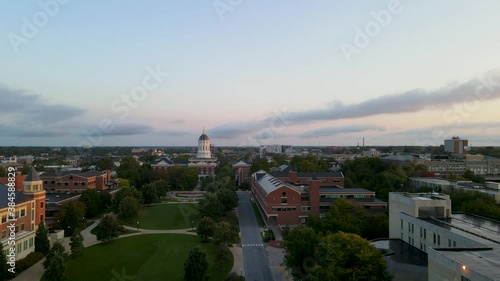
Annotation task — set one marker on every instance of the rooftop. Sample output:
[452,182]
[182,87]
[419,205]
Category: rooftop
[337,189]
[18,199]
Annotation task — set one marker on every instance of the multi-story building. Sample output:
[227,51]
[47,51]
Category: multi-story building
[458,246]
[242,170]
[204,160]
[479,164]
[71,181]
[456,145]
[289,199]
[24,217]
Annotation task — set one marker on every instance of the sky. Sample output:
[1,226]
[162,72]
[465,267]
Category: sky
[156,73]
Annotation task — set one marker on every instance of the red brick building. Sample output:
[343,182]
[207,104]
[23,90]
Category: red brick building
[242,169]
[26,215]
[290,198]
[70,181]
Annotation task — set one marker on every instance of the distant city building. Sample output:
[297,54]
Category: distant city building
[371,153]
[479,164]
[204,160]
[288,198]
[456,145]
[72,181]
[242,169]
[458,246]
[29,212]
[274,149]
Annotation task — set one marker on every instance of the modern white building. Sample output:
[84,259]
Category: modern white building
[459,246]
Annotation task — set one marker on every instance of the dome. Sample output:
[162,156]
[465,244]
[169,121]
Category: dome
[204,137]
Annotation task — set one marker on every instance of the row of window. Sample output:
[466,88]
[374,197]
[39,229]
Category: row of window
[23,246]
[283,209]
[337,196]
[423,234]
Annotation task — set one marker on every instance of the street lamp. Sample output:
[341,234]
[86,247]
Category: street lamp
[192,225]
[137,226]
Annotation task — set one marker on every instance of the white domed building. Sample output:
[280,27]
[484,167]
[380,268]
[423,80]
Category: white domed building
[204,160]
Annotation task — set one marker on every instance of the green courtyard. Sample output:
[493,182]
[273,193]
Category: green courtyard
[167,216]
[148,257]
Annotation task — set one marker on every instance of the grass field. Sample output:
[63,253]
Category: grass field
[147,257]
[167,216]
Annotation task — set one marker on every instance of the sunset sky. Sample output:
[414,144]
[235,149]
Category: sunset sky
[155,73]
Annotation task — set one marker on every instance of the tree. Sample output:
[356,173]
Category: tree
[346,256]
[129,207]
[123,183]
[55,264]
[224,233]
[344,215]
[228,198]
[149,194]
[300,244]
[210,206]
[205,228]
[5,274]
[105,199]
[105,163]
[161,188]
[223,256]
[42,243]
[71,217]
[92,201]
[107,229]
[76,243]
[125,192]
[196,265]
[129,169]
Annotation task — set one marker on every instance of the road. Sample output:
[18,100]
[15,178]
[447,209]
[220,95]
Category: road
[256,263]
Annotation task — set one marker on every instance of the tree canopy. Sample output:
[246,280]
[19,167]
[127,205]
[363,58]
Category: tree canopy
[196,265]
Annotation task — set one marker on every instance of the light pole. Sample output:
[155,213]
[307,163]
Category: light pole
[137,226]
[192,225]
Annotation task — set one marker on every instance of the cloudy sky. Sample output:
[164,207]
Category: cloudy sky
[250,72]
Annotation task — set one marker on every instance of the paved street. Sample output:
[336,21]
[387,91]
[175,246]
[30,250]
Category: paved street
[255,260]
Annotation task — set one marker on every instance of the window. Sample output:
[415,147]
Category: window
[439,240]
[4,218]
[41,217]
[32,205]
[31,242]
[66,183]
[32,226]
[41,204]
[75,183]
[305,208]
[425,233]
[52,182]
[4,233]
[19,249]
[449,242]
[16,229]
[23,212]
[454,243]
[32,214]
[284,200]
[22,226]
[17,214]
[25,245]
[420,232]
[412,228]
[401,223]
[434,237]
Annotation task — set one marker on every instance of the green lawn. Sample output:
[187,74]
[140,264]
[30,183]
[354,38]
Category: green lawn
[167,216]
[147,257]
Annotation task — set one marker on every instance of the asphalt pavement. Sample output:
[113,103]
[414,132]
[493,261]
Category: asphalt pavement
[255,260]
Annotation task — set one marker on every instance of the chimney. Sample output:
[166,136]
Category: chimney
[292,175]
[314,195]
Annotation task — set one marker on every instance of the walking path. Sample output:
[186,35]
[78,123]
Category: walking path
[35,272]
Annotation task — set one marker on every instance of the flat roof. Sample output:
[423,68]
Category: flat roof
[337,189]
[432,180]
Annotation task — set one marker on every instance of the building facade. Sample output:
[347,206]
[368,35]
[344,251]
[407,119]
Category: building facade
[458,246]
[22,220]
[205,162]
[288,199]
[242,170]
[456,145]
[71,181]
